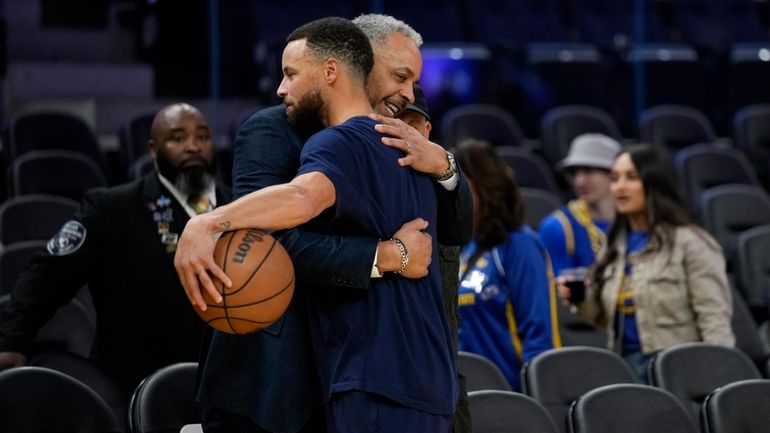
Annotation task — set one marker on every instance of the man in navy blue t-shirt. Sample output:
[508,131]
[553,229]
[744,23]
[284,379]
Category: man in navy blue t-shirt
[385,356]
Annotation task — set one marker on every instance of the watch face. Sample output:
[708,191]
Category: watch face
[452,163]
[450,171]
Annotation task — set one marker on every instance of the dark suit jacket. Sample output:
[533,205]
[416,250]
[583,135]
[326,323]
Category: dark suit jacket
[144,320]
[270,376]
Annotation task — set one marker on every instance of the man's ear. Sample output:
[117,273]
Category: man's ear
[427,129]
[152,147]
[331,69]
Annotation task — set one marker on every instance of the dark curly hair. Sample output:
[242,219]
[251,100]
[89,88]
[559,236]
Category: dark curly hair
[498,206]
[338,38]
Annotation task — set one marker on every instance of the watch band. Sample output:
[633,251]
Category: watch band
[445,175]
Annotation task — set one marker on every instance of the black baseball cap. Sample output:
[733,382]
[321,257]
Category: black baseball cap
[420,104]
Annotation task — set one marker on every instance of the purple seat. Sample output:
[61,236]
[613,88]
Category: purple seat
[483,122]
[560,125]
[52,131]
[672,127]
[530,169]
[751,132]
[702,166]
[726,211]
[538,203]
[56,172]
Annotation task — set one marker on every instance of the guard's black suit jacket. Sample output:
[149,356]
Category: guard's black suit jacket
[144,320]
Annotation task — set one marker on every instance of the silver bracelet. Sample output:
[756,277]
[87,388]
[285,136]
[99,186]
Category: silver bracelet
[404,254]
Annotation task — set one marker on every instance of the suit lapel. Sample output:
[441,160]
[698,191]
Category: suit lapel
[167,215]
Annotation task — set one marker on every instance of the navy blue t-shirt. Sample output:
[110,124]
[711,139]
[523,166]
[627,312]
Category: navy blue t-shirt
[392,340]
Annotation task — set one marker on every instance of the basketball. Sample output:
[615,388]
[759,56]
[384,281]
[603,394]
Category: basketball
[263,282]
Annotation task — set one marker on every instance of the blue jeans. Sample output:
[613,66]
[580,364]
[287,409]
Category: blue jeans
[638,363]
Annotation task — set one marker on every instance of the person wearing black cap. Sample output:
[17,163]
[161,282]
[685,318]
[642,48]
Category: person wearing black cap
[417,116]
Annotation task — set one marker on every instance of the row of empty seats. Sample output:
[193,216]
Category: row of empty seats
[34,144]
[62,392]
[571,389]
[626,408]
[58,153]
[564,389]
[671,127]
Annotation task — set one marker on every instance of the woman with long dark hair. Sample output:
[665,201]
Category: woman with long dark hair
[506,295]
[661,280]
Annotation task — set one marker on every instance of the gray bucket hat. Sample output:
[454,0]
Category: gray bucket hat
[591,150]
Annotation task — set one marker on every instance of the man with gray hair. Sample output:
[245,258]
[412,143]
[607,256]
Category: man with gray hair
[267,382]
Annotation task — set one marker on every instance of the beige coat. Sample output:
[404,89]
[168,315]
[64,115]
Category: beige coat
[681,294]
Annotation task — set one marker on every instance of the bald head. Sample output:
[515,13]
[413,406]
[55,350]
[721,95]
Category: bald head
[170,117]
[181,143]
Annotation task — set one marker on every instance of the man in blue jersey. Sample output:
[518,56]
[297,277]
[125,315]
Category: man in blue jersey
[384,355]
[575,233]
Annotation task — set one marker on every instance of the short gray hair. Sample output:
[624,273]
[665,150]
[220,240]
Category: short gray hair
[378,27]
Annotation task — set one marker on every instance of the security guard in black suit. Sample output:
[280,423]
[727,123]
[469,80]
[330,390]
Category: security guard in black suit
[121,244]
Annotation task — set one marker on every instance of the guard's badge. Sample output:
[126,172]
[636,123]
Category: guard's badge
[69,239]
[163,216]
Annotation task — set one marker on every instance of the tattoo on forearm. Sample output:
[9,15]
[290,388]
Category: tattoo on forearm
[225,225]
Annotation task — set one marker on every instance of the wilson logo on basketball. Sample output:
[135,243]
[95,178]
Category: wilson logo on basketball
[243,248]
[263,282]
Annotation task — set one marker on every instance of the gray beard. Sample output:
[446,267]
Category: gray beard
[193,182]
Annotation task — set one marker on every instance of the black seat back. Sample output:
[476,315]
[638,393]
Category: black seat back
[37,399]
